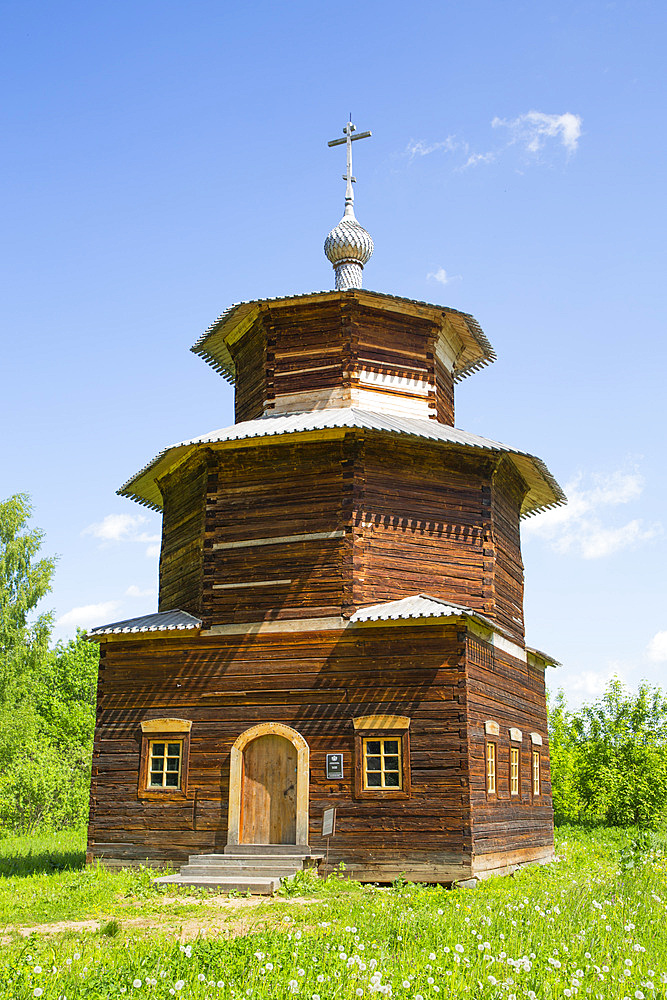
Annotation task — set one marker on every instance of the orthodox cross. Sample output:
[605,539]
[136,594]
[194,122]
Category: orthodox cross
[349,139]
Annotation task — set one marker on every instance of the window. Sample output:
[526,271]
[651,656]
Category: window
[382,763]
[381,757]
[536,772]
[491,768]
[514,770]
[164,764]
[164,758]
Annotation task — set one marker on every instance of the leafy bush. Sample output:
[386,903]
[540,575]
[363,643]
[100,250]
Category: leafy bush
[609,759]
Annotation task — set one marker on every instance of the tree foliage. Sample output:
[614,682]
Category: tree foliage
[24,581]
[609,759]
[47,695]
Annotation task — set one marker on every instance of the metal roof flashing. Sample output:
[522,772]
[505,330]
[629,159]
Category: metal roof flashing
[159,621]
[544,492]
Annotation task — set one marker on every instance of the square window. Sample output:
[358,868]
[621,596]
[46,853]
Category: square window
[382,764]
[165,768]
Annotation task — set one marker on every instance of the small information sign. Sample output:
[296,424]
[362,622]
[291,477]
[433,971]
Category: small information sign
[334,766]
[329,822]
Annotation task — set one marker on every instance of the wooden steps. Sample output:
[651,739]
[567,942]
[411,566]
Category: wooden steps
[254,868]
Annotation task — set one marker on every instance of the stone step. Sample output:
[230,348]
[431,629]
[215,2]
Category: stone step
[257,886]
[240,870]
[297,850]
[262,860]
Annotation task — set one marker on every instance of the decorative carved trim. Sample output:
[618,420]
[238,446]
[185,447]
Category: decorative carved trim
[516,735]
[491,728]
[381,722]
[166,726]
[536,739]
[236,778]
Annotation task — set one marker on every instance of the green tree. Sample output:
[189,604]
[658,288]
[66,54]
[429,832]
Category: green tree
[47,696]
[622,741]
[564,753]
[65,694]
[24,581]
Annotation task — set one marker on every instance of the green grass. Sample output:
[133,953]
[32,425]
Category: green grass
[593,925]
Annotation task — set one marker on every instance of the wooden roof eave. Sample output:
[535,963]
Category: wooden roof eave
[472,351]
[543,493]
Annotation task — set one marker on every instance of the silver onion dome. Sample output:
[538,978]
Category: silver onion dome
[348,246]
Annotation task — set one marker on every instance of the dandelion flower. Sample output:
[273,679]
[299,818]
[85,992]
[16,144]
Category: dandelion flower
[37,992]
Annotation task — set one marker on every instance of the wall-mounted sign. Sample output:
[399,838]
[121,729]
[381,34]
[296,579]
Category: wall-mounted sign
[328,822]
[334,766]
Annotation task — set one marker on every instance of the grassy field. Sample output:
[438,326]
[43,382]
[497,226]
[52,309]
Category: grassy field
[593,925]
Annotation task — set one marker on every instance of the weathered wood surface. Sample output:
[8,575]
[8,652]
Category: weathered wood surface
[510,692]
[383,518]
[296,356]
[421,672]
[183,493]
[268,792]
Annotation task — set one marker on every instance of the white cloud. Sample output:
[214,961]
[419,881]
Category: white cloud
[420,148]
[134,591]
[124,528]
[533,129]
[601,541]
[475,159]
[532,132]
[578,528]
[116,527]
[441,276]
[593,683]
[657,648]
[89,615]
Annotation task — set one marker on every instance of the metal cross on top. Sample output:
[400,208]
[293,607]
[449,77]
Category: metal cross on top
[349,139]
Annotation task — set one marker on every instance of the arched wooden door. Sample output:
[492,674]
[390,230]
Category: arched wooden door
[268,795]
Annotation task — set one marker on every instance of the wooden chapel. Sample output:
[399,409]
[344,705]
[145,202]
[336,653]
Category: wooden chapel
[340,617]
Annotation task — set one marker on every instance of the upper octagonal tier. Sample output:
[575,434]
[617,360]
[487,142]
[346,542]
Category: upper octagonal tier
[340,349]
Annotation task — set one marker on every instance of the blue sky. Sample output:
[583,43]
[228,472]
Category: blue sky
[162,160]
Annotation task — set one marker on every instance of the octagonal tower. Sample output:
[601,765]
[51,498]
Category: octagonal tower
[341,576]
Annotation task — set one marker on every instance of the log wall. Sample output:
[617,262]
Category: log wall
[258,496]
[183,493]
[507,493]
[506,690]
[317,683]
[333,352]
[320,528]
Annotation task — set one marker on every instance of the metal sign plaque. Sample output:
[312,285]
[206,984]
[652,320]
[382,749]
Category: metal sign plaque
[334,766]
[328,822]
